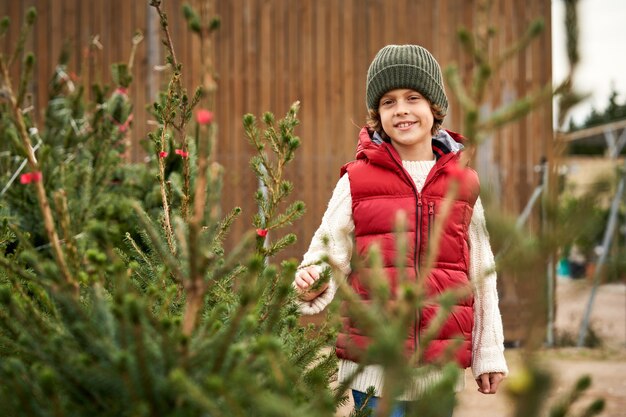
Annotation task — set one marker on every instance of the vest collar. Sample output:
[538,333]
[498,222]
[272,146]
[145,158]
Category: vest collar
[372,146]
[445,141]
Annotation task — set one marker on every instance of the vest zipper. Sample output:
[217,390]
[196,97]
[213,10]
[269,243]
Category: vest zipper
[417,255]
[418,261]
[431,219]
[418,236]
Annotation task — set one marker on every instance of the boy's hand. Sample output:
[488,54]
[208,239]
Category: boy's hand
[488,383]
[305,278]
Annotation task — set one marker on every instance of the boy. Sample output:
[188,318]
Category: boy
[404,162]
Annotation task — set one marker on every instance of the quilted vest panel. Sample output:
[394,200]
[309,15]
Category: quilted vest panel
[378,194]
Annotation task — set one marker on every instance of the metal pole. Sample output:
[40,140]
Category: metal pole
[18,171]
[264,192]
[606,244]
[550,266]
[521,220]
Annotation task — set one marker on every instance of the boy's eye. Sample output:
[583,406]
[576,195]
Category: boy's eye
[413,98]
[385,102]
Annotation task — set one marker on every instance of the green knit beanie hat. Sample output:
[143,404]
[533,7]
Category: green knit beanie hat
[405,66]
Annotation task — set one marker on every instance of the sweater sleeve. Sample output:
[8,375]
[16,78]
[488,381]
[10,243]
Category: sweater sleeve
[332,241]
[487,335]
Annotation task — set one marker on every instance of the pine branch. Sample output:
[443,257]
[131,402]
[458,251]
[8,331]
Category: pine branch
[229,335]
[60,198]
[165,27]
[454,82]
[42,198]
[166,256]
[178,96]
[27,72]
[534,29]
[517,109]
[209,84]
[224,226]
[194,393]
[29,21]
[15,268]
[137,38]
[167,222]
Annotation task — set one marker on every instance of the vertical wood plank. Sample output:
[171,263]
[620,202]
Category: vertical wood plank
[70,24]
[322,111]
[249,104]
[294,59]
[4,12]
[43,64]
[83,68]
[308,113]
[226,37]
[265,77]
[88,73]
[439,24]
[361,57]
[288,60]
[55,43]
[227,63]
[350,117]
[140,95]
[124,40]
[335,86]
[109,41]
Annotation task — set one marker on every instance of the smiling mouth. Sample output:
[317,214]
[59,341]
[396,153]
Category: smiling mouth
[403,125]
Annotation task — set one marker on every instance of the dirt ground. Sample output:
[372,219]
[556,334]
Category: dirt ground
[606,365]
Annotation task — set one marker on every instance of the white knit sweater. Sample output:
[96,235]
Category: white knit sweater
[337,228]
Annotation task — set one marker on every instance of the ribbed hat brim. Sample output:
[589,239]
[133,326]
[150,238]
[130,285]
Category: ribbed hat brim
[405,76]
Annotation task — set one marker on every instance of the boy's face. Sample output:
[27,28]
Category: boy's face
[407,119]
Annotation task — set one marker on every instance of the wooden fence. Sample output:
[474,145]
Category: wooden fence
[269,53]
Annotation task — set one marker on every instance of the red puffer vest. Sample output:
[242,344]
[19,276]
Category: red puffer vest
[380,187]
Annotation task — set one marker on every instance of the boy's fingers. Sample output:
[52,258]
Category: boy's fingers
[300,283]
[303,282]
[483,384]
[495,382]
[304,278]
[313,272]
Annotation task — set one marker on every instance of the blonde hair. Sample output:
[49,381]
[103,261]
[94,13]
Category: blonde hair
[373,120]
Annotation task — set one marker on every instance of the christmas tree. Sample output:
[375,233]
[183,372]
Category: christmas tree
[117,301]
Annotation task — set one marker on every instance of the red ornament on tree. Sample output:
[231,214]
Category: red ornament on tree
[182,153]
[30,177]
[204,117]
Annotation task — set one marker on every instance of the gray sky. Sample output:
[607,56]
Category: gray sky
[603,51]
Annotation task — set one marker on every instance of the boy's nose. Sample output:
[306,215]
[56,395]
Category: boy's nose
[401,109]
